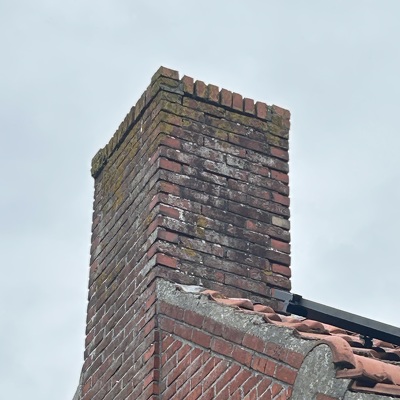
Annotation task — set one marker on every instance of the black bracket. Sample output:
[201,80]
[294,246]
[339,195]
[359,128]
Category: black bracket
[367,328]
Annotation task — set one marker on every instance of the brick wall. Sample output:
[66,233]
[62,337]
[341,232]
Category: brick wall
[209,351]
[202,175]
[118,357]
[192,372]
[205,359]
[192,188]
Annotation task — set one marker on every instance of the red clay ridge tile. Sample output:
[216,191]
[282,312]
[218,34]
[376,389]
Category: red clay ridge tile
[234,302]
[381,388]
[372,370]
[263,309]
[368,369]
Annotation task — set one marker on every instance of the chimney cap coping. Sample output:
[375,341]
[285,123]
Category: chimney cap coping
[164,79]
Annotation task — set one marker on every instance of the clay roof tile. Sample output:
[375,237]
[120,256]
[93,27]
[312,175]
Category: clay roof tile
[372,370]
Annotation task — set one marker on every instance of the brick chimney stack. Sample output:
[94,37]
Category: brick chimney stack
[192,188]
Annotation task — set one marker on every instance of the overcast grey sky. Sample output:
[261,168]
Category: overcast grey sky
[71,70]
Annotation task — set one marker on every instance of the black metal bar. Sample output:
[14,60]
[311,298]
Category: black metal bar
[342,319]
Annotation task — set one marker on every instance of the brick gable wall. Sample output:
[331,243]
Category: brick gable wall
[202,358]
[192,372]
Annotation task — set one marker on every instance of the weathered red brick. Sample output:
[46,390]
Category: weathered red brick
[200,89]
[281,246]
[261,110]
[170,188]
[253,342]
[213,93]
[280,176]
[228,376]
[280,153]
[264,365]
[242,356]
[192,318]
[212,326]
[226,98]
[232,334]
[170,165]
[281,111]
[285,374]
[223,394]
[237,102]
[188,84]
[201,338]
[218,370]
[167,260]
[168,236]
[248,105]
[163,71]
[281,199]
[239,380]
[172,142]
[281,269]
[222,347]
[262,387]
[170,211]
[276,388]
